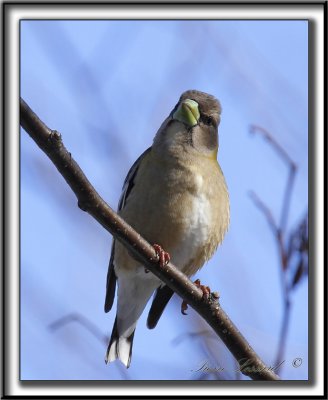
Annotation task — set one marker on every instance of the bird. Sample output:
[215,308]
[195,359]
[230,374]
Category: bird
[175,195]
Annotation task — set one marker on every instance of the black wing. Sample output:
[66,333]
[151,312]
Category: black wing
[111,282]
[126,190]
[161,298]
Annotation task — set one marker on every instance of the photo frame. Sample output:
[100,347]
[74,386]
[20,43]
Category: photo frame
[13,13]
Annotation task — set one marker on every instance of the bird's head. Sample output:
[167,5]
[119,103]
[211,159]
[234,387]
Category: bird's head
[192,126]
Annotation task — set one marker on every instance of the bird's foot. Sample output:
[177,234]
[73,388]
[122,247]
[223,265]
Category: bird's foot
[184,307]
[205,289]
[163,256]
[207,295]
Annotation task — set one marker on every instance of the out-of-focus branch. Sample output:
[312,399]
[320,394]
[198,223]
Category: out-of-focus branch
[265,210]
[89,200]
[295,247]
[291,176]
[91,328]
[77,317]
[278,148]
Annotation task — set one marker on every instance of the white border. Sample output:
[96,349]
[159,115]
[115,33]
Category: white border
[280,11]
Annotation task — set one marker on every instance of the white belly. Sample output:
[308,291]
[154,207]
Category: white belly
[198,224]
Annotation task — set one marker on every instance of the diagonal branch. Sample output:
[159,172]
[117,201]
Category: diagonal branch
[89,200]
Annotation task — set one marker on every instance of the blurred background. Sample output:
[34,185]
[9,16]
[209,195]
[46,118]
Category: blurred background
[106,86]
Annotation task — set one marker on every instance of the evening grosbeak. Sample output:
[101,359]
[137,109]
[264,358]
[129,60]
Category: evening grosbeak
[175,195]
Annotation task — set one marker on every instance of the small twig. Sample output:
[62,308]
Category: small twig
[287,198]
[77,317]
[90,201]
[279,232]
[89,326]
[292,172]
[279,149]
[283,332]
[265,210]
[192,335]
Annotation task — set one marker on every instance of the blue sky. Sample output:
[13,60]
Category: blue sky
[106,86]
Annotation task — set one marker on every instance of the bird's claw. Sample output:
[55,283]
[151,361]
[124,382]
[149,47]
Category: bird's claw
[163,256]
[205,289]
[184,307]
[207,295]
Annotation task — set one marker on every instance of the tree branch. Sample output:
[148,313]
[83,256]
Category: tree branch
[89,200]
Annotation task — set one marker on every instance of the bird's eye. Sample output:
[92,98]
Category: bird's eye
[208,120]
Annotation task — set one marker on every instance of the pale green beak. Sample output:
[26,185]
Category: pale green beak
[188,113]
